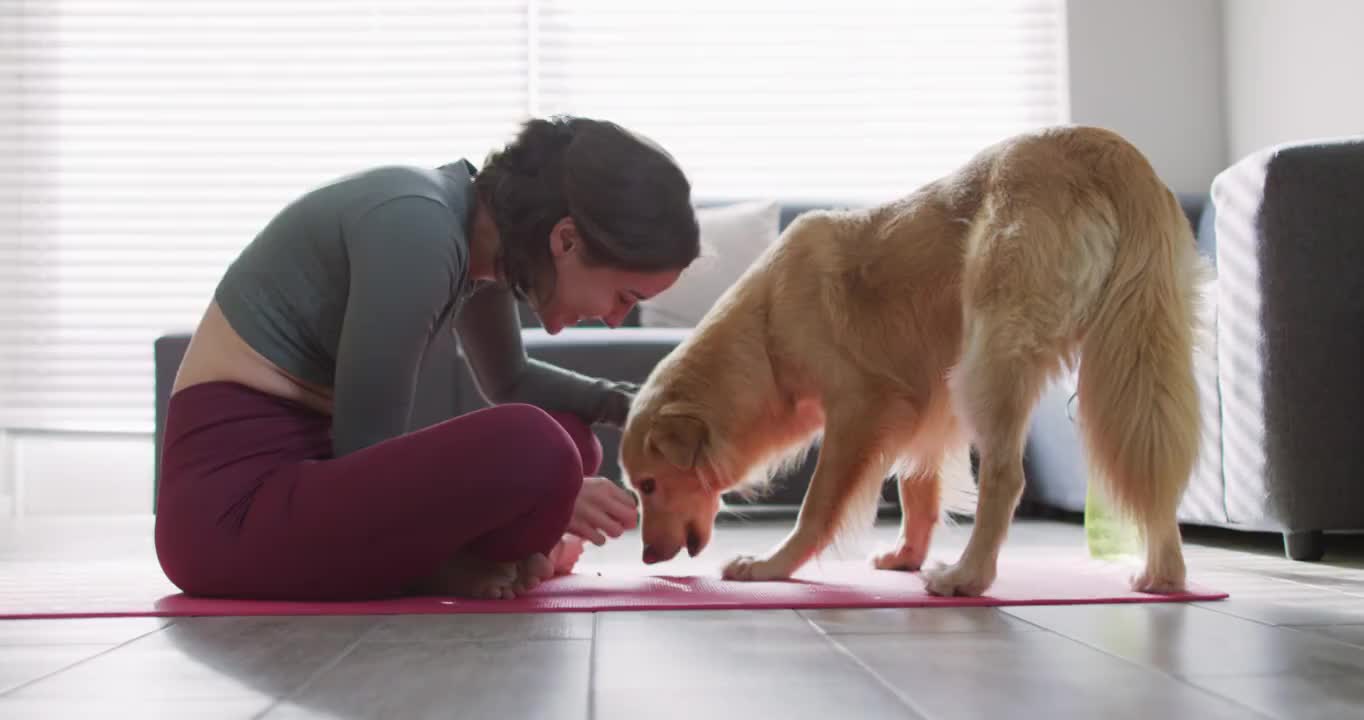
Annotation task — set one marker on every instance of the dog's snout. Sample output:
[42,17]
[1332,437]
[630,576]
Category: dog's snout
[693,541]
[654,555]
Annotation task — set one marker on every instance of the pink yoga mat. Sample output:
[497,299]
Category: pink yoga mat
[50,590]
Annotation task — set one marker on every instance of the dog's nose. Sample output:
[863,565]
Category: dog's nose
[654,555]
[693,542]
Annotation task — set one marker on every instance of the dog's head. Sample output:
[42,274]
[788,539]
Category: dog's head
[668,452]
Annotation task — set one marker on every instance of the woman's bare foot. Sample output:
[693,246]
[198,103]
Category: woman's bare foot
[467,575]
[565,555]
[532,571]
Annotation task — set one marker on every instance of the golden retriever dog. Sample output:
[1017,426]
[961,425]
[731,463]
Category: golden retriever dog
[906,332]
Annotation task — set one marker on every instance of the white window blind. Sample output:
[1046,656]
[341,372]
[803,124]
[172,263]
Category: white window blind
[144,142]
[850,100]
[156,137]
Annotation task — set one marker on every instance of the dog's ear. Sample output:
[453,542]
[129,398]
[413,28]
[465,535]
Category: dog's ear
[679,436]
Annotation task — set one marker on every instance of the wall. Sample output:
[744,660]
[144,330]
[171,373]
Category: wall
[7,503]
[1152,71]
[1293,71]
[44,473]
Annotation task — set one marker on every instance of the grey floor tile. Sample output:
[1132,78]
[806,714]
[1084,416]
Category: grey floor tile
[1352,634]
[1328,577]
[1189,641]
[728,665]
[465,628]
[1027,674]
[21,664]
[1307,697]
[209,658]
[58,709]
[473,680]
[76,631]
[914,620]
[1304,606]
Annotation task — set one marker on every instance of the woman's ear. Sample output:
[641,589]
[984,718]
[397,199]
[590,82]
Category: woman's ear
[563,239]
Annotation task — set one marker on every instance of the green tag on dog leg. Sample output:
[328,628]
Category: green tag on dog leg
[1107,533]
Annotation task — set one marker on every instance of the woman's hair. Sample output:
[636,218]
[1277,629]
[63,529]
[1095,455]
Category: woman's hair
[630,201]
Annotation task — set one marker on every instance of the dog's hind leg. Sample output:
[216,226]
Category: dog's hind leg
[939,480]
[854,460]
[996,384]
[920,508]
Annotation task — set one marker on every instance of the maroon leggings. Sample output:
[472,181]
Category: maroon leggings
[252,505]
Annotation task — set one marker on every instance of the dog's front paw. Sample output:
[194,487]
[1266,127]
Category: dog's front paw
[958,579]
[903,556]
[746,568]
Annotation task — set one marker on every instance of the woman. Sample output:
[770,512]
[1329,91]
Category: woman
[289,471]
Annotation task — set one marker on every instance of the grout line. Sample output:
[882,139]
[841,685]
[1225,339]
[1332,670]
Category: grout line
[1310,631]
[878,677]
[592,668]
[323,668]
[1155,670]
[82,661]
[1212,604]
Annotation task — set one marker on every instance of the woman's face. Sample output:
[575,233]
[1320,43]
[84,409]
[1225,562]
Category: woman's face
[583,291]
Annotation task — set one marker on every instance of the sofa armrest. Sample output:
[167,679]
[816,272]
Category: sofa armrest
[167,353]
[627,354]
[1290,258]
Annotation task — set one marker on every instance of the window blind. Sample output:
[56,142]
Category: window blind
[151,139]
[144,142]
[852,100]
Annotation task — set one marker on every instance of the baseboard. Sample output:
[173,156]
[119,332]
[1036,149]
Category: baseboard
[741,513]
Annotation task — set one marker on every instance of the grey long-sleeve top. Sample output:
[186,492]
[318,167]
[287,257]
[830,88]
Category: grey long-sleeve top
[348,285]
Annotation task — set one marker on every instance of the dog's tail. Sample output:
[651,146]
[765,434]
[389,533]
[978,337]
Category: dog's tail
[1138,401]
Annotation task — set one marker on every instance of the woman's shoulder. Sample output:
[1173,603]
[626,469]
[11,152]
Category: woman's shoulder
[389,182]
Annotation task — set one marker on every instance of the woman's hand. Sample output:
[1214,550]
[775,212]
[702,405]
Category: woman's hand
[565,555]
[603,509]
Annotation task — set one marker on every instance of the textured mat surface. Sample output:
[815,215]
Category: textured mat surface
[51,589]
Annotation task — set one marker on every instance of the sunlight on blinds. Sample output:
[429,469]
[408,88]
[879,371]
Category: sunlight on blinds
[144,142]
[151,139]
[859,100]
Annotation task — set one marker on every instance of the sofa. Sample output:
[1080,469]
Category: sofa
[1279,367]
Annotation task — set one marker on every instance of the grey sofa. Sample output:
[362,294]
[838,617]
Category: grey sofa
[1281,372]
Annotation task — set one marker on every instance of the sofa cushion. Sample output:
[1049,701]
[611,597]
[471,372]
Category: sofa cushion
[732,238]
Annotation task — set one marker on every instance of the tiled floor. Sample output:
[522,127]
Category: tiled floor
[1289,644]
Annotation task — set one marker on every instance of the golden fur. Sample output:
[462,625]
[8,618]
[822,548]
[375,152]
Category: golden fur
[906,331]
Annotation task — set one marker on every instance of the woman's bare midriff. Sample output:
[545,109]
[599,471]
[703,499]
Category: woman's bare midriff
[217,353]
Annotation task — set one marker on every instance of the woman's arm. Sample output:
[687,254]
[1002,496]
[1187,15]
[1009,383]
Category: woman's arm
[490,331]
[402,274]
